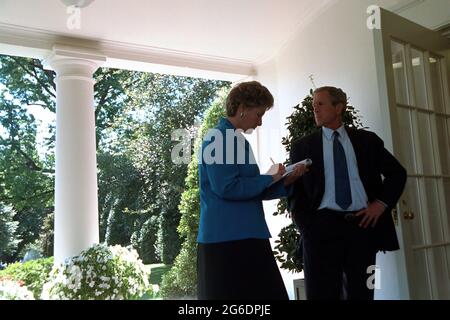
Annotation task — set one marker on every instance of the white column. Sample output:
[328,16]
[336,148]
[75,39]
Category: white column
[76,204]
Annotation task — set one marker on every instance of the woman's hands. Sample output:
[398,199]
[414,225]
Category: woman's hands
[297,173]
[276,171]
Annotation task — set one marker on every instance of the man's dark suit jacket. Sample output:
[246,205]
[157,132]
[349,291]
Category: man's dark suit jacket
[374,161]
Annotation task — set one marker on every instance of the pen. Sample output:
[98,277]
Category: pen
[272,160]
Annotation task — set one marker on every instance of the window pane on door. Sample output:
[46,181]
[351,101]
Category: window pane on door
[410,202]
[432,210]
[440,275]
[426,145]
[436,83]
[420,276]
[443,144]
[399,67]
[447,202]
[446,216]
[407,143]
[419,79]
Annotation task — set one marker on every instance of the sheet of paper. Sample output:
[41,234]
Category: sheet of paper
[290,168]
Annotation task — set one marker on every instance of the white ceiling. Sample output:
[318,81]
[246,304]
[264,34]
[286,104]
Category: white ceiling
[241,30]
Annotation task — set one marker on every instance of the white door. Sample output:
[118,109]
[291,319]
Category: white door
[413,80]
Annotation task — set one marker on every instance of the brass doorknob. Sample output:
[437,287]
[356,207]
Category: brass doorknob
[408,215]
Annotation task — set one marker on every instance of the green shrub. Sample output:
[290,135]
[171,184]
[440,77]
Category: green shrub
[180,282]
[33,273]
[144,240]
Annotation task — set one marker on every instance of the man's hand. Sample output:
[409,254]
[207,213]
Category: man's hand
[371,214]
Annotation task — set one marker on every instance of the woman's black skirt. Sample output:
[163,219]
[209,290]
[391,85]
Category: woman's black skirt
[242,269]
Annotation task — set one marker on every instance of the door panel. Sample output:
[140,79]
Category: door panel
[416,91]
[419,259]
[440,283]
[399,69]
[444,143]
[407,148]
[446,191]
[436,84]
[411,200]
[420,98]
[426,143]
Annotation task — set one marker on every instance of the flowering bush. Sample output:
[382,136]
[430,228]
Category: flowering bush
[100,272]
[32,273]
[14,290]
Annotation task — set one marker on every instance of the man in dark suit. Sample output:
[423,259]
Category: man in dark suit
[343,205]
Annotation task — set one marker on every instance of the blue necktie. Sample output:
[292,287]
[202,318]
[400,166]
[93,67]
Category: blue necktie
[342,189]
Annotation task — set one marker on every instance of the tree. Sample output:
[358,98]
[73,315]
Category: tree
[8,228]
[26,184]
[300,123]
[46,236]
[144,239]
[120,185]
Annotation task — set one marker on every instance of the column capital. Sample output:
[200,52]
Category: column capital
[66,60]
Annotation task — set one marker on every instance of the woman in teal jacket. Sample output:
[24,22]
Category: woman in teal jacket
[234,258]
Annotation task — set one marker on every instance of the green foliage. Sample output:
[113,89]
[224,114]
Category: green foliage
[46,237]
[181,280]
[157,272]
[301,123]
[120,187]
[28,81]
[33,274]
[8,227]
[144,240]
[25,184]
[99,273]
[111,97]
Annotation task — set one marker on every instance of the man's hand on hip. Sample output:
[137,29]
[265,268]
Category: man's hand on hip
[371,214]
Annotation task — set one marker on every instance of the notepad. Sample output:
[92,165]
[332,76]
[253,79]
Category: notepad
[290,168]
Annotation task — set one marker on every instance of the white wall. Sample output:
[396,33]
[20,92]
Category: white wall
[269,146]
[337,48]
[432,14]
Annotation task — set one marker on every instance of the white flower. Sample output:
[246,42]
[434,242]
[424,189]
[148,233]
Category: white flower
[13,290]
[114,272]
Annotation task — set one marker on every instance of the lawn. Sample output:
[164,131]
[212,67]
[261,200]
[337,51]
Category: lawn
[157,271]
